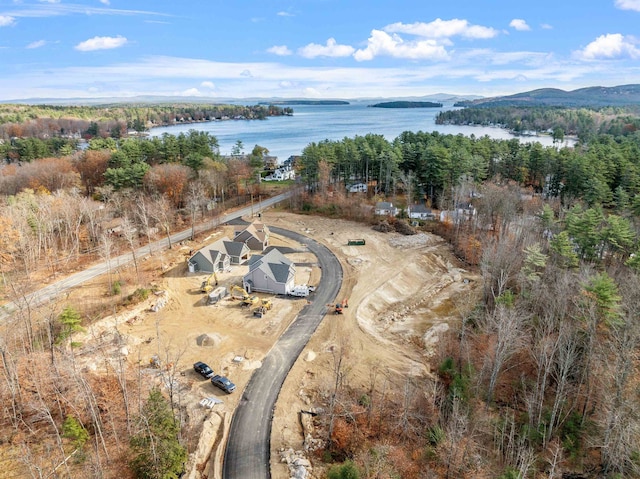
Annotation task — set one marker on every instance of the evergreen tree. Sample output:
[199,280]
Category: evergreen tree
[562,246]
[157,452]
[69,320]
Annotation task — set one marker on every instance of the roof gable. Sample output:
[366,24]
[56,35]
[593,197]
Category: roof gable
[273,264]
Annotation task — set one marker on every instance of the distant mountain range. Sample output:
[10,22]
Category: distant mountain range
[596,96]
[155,99]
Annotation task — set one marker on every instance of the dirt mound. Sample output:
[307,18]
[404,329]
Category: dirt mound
[208,340]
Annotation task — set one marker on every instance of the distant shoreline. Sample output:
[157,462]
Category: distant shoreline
[407,104]
[305,102]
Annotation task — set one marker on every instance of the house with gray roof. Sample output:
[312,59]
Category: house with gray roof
[421,212]
[255,236]
[385,208]
[218,256]
[238,252]
[270,273]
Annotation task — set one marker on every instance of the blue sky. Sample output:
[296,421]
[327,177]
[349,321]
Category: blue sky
[313,48]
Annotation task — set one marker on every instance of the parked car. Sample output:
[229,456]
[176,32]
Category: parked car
[202,369]
[223,383]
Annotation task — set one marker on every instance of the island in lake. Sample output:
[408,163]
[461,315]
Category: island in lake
[407,104]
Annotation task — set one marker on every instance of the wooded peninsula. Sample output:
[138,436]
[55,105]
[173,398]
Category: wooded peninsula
[115,120]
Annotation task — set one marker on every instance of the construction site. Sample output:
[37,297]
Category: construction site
[398,293]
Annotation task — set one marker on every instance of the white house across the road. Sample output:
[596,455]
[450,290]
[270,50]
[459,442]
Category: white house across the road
[281,174]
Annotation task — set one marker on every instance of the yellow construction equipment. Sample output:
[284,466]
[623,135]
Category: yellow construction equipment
[261,310]
[209,283]
[238,293]
[250,301]
[266,304]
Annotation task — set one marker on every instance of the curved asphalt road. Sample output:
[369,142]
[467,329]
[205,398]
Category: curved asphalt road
[247,454]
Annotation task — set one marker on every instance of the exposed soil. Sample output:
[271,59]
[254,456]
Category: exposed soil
[401,291]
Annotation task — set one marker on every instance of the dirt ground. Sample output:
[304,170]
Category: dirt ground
[401,291]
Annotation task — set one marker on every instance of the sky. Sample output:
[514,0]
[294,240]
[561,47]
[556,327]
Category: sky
[316,49]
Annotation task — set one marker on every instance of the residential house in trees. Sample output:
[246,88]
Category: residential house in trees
[385,208]
[421,212]
[461,212]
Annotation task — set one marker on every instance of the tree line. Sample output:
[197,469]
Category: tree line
[585,123]
[603,171]
[45,121]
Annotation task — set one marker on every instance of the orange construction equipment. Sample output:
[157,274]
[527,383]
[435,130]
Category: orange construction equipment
[341,306]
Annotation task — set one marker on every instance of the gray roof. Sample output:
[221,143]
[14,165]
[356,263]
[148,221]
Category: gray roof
[384,205]
[274,264]
[420,208]
[235,248]
[220,249]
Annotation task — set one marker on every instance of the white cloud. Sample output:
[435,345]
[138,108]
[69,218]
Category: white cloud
[491,57]
[382,44]
[163,75]
[49,1]
[519,24]
[331,49]
[311,92]
[442,29]
[191,92]
[628,5]
[208,84]
[48,9]
[6,20]
[546,26]
[610,46]
[101,43]
[36,44]
[280,50]
[285,14]
[105,2]
[246,73]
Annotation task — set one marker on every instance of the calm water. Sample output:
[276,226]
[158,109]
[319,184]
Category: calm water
[289,135]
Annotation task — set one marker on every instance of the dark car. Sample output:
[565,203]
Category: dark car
[223,383]
[202,369]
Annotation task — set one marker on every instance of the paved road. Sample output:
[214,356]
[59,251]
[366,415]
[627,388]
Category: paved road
[53,290]
[247,454]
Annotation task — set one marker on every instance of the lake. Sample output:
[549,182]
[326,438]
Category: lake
[284,136]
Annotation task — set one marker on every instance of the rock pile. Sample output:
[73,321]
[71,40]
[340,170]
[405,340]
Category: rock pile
[161,302]
[299,465]
[421,239]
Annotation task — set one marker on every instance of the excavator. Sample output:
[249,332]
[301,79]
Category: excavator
[209,283]
[341,306]
[238,293]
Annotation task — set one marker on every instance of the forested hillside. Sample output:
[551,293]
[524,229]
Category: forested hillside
[590,97]
[582,122]
[540,379]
